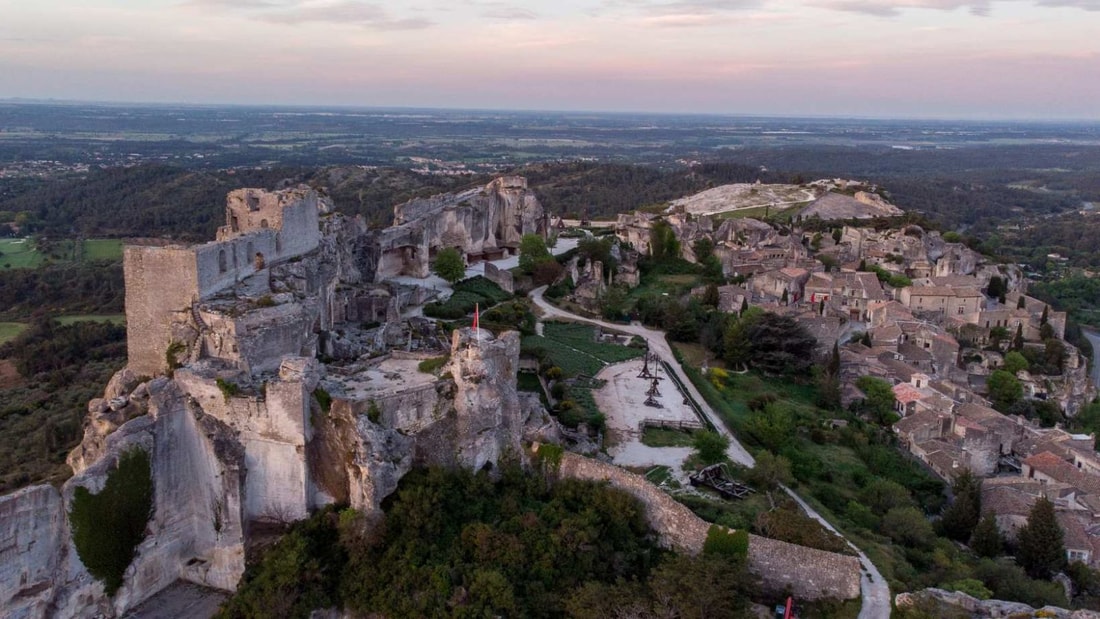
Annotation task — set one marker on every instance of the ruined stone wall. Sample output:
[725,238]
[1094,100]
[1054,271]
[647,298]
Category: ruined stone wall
[807,572]
[221,264]
[292,213]
[159,282]
[500,277]
[260,339]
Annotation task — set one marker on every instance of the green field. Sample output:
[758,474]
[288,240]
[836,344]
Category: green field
[23,254]
[19,254]
[10,330]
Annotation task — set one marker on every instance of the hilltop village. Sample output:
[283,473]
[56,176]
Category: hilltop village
[938,322]
[294,362]
[281,368]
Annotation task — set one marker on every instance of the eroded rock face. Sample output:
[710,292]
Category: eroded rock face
[241,430]
[958,602]
[485,222]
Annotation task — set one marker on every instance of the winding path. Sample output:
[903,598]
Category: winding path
[874,591]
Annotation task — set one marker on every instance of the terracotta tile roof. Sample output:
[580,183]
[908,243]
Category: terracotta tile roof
[906,393]
[1059,470]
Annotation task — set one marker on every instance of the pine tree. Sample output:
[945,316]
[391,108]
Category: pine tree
[986,540]
[833,368]
[744,305]
[785,298]
[960,518]
[1021,303]
[1018,340]
[862,264]
[1046,315]
[1040,550]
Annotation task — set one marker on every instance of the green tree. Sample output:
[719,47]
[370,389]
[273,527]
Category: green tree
[662,241]
[532,251]
[711,296]
[710,446]
[908,526]
[449,265]
[879,398]
[1015,362]
[1018,339]
[996,288]
[882,495]
[960,518]
[987,540]
[1004,389]
[770,471]
[1040,549]
[1021,303]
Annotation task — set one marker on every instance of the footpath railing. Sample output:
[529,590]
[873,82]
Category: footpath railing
[698,410]
[672,424]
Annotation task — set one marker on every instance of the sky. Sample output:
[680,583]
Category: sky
[980,59]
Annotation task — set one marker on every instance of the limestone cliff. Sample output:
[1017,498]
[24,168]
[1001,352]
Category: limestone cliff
[276,390]
[485,222]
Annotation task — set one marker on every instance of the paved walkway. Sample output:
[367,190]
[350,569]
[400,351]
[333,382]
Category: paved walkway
[873,588]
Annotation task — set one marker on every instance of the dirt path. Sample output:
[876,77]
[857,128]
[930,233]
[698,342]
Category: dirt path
[874,591]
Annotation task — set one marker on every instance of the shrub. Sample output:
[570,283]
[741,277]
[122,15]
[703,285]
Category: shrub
[228,389]
[323,398]
[723,542]
[107,527]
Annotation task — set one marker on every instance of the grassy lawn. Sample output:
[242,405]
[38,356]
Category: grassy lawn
[665,437]
[117,319]
[19,254]
[10,330]
[695,354]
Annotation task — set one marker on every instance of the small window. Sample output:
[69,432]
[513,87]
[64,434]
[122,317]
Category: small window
[221,261]
[263,224]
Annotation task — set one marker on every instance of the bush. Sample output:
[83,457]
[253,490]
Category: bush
[228,389]
[107,527]
[725,543]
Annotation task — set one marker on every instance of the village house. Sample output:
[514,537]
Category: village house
[945,300]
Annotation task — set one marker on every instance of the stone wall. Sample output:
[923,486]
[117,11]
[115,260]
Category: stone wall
[263,228]
[500,277]
[807,572]
[159,282]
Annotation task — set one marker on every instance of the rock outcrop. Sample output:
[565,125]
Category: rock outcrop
[957,603]
[243,423]
[484,223]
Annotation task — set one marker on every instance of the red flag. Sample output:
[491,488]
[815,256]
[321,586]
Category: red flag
[475,316]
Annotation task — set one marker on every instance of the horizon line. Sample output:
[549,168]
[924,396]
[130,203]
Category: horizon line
[758,115]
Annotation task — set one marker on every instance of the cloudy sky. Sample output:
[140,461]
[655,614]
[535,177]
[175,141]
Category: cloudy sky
[892,58]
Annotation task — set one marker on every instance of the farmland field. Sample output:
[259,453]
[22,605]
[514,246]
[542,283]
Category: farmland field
[23,254]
